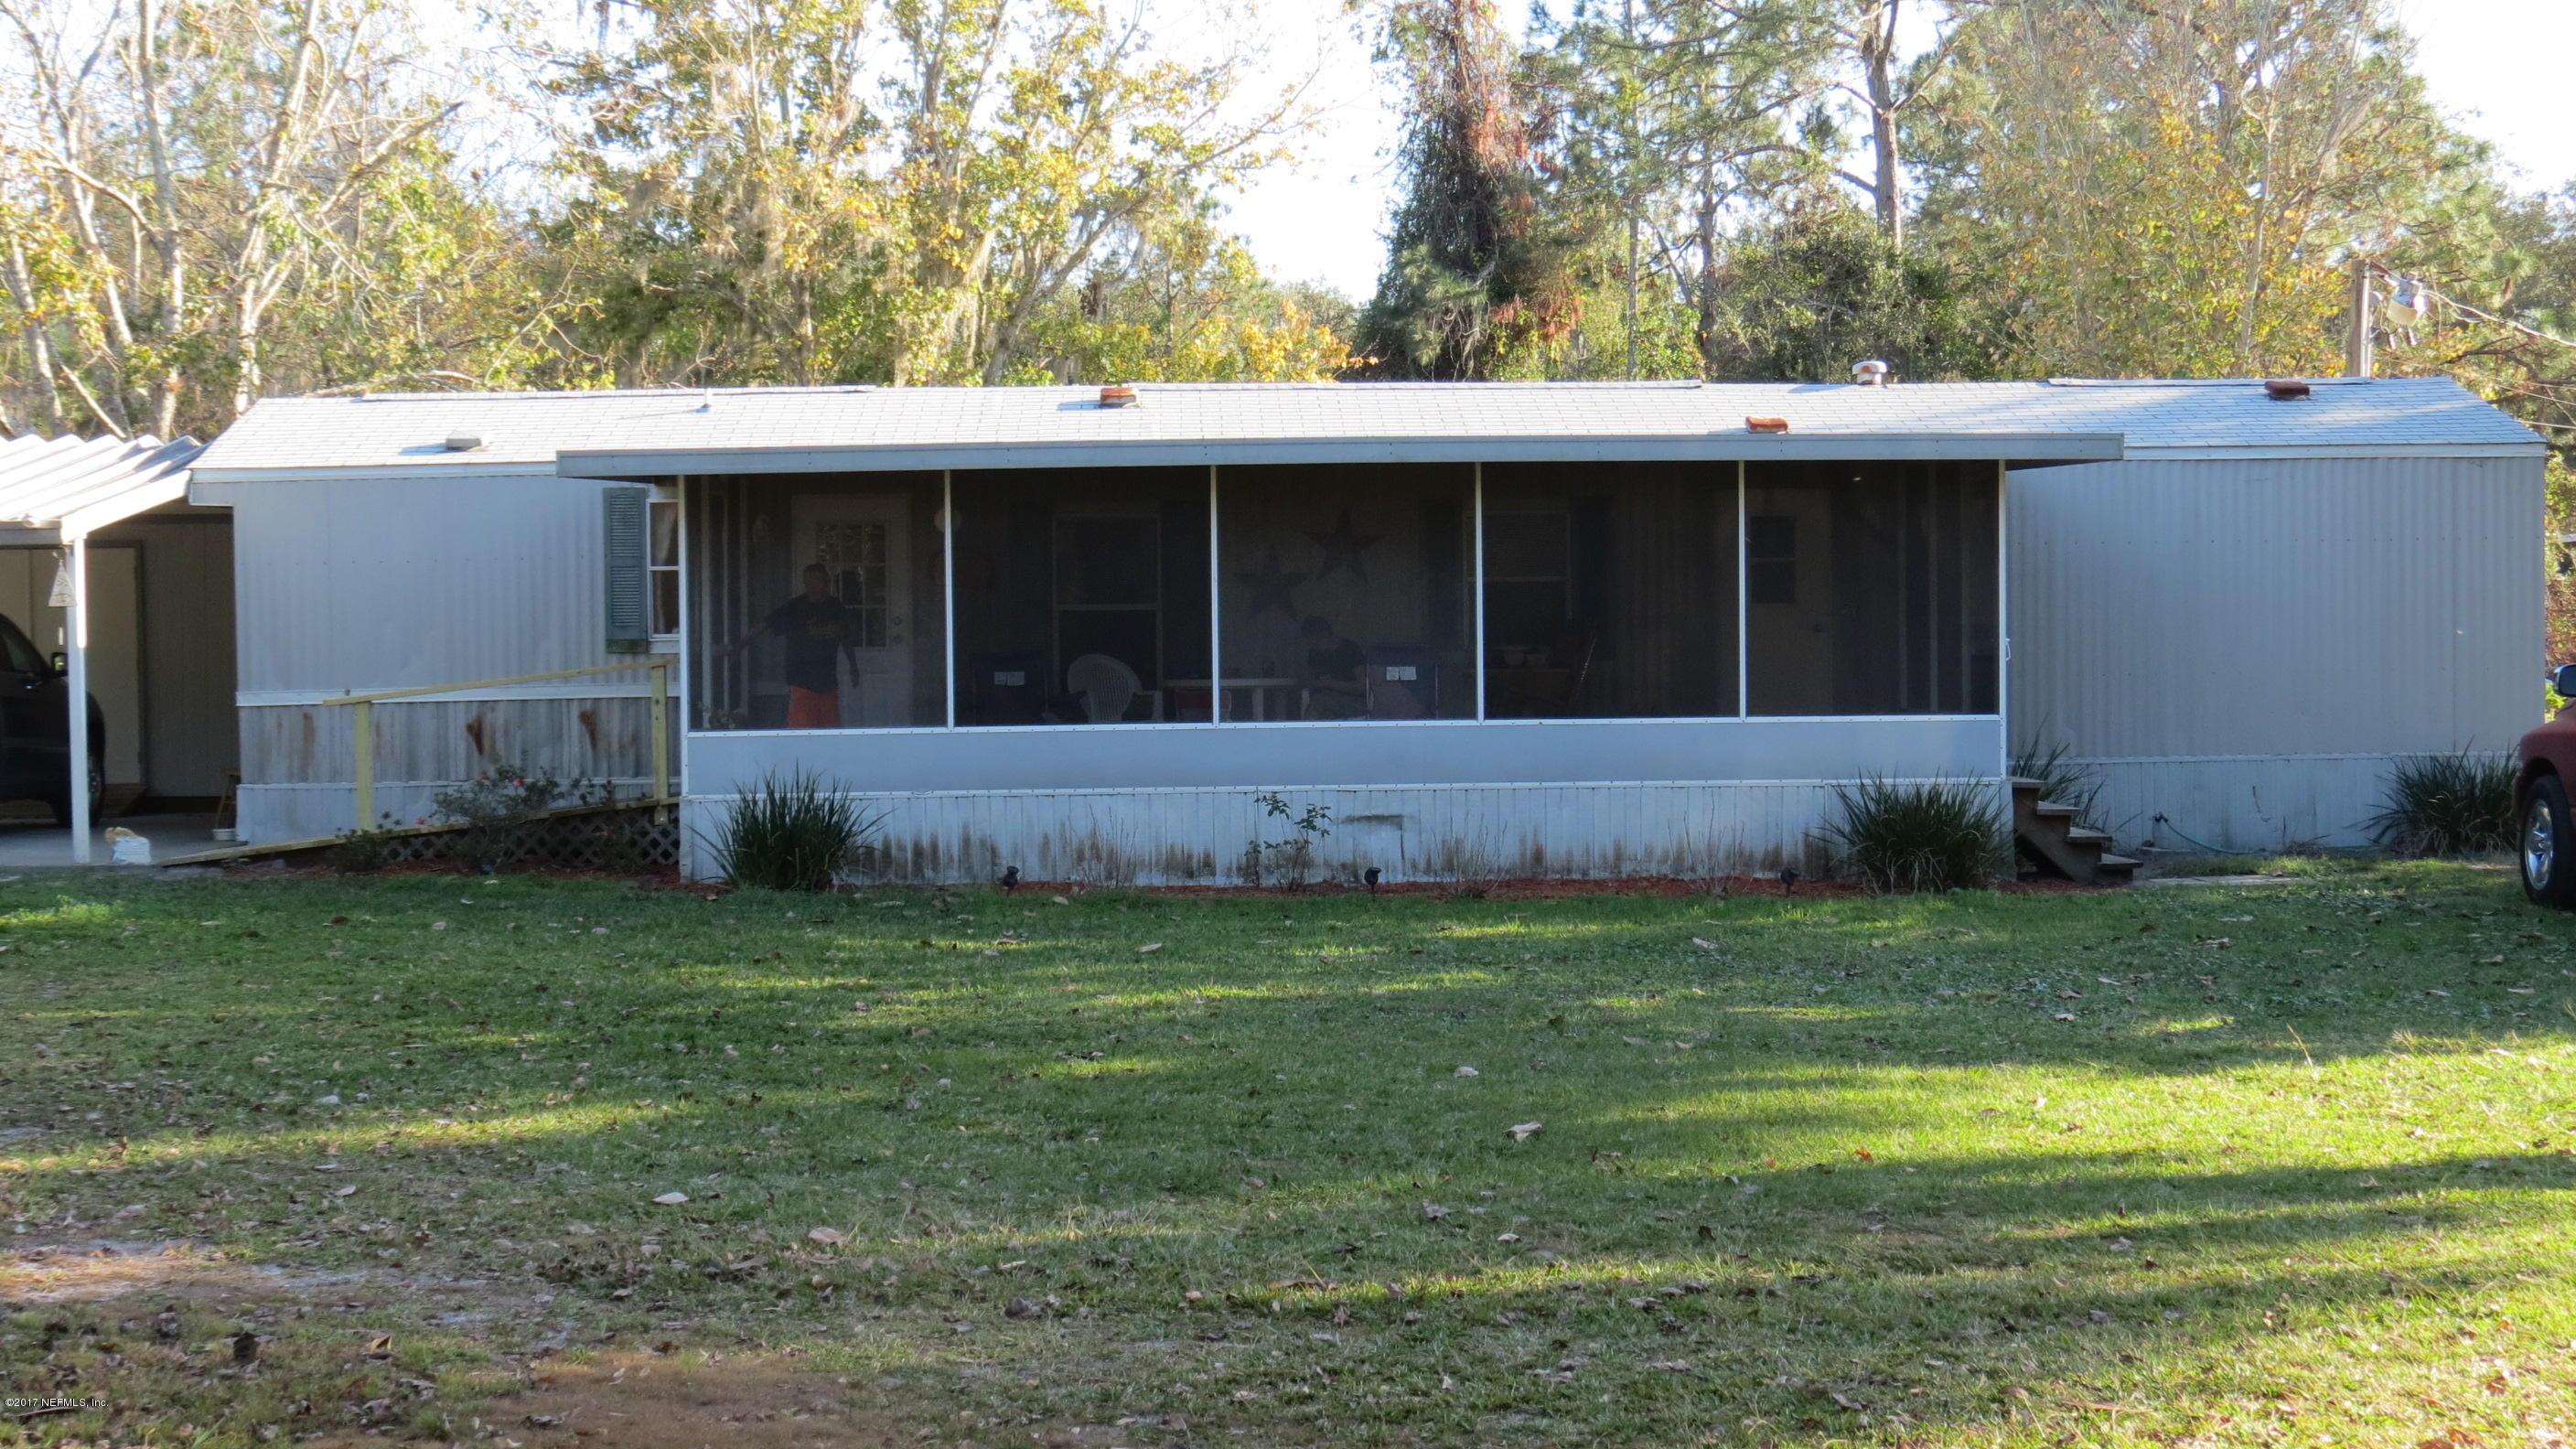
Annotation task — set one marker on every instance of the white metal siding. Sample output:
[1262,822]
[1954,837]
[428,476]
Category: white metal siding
[451,740]
[2243,644]
[360,584]
[1420,801]
[1462,833]
[1254,757]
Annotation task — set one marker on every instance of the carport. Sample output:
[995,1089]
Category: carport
[158,617]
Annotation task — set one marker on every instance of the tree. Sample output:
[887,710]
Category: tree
[1185,303]
[1822,287]
[1475,267]
[179,185]
[1682,119]
[1868,30]
[747,213]
[2171,189]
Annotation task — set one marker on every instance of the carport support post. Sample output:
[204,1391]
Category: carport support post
[77,617]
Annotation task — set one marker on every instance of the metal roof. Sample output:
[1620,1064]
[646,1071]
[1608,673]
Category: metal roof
[70,486]
[646,433]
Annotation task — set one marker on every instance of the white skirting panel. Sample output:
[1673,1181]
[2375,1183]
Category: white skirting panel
[2243,802]
[1447,800]
[1464,833]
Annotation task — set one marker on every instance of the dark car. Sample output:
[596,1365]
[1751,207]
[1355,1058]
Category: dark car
[35,729]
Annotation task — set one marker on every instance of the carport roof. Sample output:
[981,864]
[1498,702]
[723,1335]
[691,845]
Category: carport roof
[68,486]
[830,429]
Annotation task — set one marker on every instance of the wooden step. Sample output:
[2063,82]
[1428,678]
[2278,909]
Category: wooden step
[2071,852]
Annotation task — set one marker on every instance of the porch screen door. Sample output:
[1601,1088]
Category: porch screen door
[864,541]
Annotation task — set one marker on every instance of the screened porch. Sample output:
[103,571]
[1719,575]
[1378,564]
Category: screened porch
[1289,595]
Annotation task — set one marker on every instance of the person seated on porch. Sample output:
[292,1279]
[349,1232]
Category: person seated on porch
[818,630]
[1336,683]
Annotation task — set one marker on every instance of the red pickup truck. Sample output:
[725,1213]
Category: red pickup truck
[2540,790]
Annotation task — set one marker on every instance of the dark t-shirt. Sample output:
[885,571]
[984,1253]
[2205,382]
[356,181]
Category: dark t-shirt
[815,631]
[1336,665]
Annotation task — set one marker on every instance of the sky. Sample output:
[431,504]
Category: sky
[2496,66]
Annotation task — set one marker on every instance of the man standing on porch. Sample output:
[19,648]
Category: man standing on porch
[817,628]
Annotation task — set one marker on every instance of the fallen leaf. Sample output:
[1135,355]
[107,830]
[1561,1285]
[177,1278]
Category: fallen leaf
[1704,943]
[1022,1308]
[672,1199]
[345,1191]
[2065,1016]
[828,1237]
[1524,1131]
[1060,900]
[1149,949]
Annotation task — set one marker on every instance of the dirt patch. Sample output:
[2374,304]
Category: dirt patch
[100,1270]
[637,1400]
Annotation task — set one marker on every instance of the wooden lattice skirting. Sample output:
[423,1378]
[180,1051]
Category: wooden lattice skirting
[645,837]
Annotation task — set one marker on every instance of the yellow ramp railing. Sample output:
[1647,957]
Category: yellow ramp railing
[364,721]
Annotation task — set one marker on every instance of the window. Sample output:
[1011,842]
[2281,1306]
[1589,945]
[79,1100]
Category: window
[856,554]
[1082,596]
[1346,592]
[1609,590]
[1771,558]
[1871,588]
[19,653]
[662,567]
[817,601]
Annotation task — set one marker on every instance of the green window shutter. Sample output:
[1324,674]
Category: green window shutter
[630,626]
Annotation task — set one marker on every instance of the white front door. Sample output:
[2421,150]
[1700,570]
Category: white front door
[864,540]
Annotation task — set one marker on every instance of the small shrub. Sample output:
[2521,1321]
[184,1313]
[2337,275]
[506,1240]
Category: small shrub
[363,852]
[497,807]
[1287,860]
[794,833]
[2061,780]
[1942,835]
[2456,804]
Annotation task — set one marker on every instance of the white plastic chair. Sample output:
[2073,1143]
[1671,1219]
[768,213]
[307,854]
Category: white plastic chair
[1107,686]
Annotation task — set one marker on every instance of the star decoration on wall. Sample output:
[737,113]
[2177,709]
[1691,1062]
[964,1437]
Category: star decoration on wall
[1345,547]
[1270,587]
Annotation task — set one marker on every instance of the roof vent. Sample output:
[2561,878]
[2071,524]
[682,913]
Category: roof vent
[1766,425]
[1118,395]
[463,442]
[1870,373]
[2285,389]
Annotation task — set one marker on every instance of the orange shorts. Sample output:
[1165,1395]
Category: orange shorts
[813,709]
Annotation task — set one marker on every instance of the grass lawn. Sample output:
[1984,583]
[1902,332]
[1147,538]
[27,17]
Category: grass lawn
[2285,1165]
